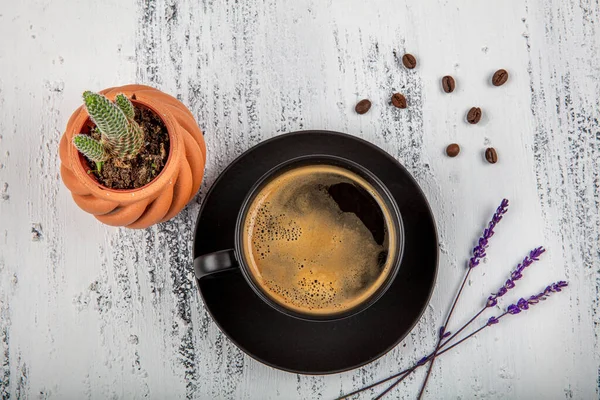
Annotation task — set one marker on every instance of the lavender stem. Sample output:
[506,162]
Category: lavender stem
[389,378]
[478,254]
[437,347]
[408,371]
[386,391]
[463,327]
[513,309]
[469,336]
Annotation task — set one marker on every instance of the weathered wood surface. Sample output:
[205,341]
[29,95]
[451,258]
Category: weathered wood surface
[88,311]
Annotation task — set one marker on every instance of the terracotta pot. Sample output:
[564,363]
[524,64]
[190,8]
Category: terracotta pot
[159,200]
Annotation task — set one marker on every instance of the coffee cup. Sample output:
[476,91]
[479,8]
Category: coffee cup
[318,238]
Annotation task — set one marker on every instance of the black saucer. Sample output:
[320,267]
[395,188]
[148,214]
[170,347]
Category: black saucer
[316,347]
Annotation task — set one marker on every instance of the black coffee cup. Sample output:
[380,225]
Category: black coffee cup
[233,259]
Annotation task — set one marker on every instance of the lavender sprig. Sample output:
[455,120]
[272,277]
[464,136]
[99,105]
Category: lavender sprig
[513,309]
[510,284]
[479,250]
[523,304]
[515,275]
[478,254]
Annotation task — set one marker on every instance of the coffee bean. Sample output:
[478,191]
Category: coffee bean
[474,115]
[500,77]
[491,156]
[363,106]
[398,100]
[409,61]
[452,150]
[448,84]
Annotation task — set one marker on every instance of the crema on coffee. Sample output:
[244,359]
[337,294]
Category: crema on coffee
[318,240]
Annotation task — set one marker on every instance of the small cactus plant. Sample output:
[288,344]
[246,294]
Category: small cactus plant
[121,136]
[91,148]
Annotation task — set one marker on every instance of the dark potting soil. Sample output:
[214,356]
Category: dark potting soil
[140,170]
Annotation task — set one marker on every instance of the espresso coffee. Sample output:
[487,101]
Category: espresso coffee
[318,240]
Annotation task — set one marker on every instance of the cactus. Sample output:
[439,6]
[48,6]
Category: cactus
[109,118]
[91,148]
[129,144]
[122,137]
[125,105]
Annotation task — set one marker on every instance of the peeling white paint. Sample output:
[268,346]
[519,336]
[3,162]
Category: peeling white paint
[89,311]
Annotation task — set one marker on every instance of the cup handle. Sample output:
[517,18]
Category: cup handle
[218,261]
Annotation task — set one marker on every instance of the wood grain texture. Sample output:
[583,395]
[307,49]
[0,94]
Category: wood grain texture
[89,311]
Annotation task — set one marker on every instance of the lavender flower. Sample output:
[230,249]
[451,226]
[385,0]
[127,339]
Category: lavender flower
[516,275]
[523,305]
[553,288]
[423,360]
[479,250]
[527,261]
[513,309]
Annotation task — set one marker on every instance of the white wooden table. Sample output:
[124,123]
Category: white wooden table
[89,311]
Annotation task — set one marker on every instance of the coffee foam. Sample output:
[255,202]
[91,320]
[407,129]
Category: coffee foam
[304,252]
